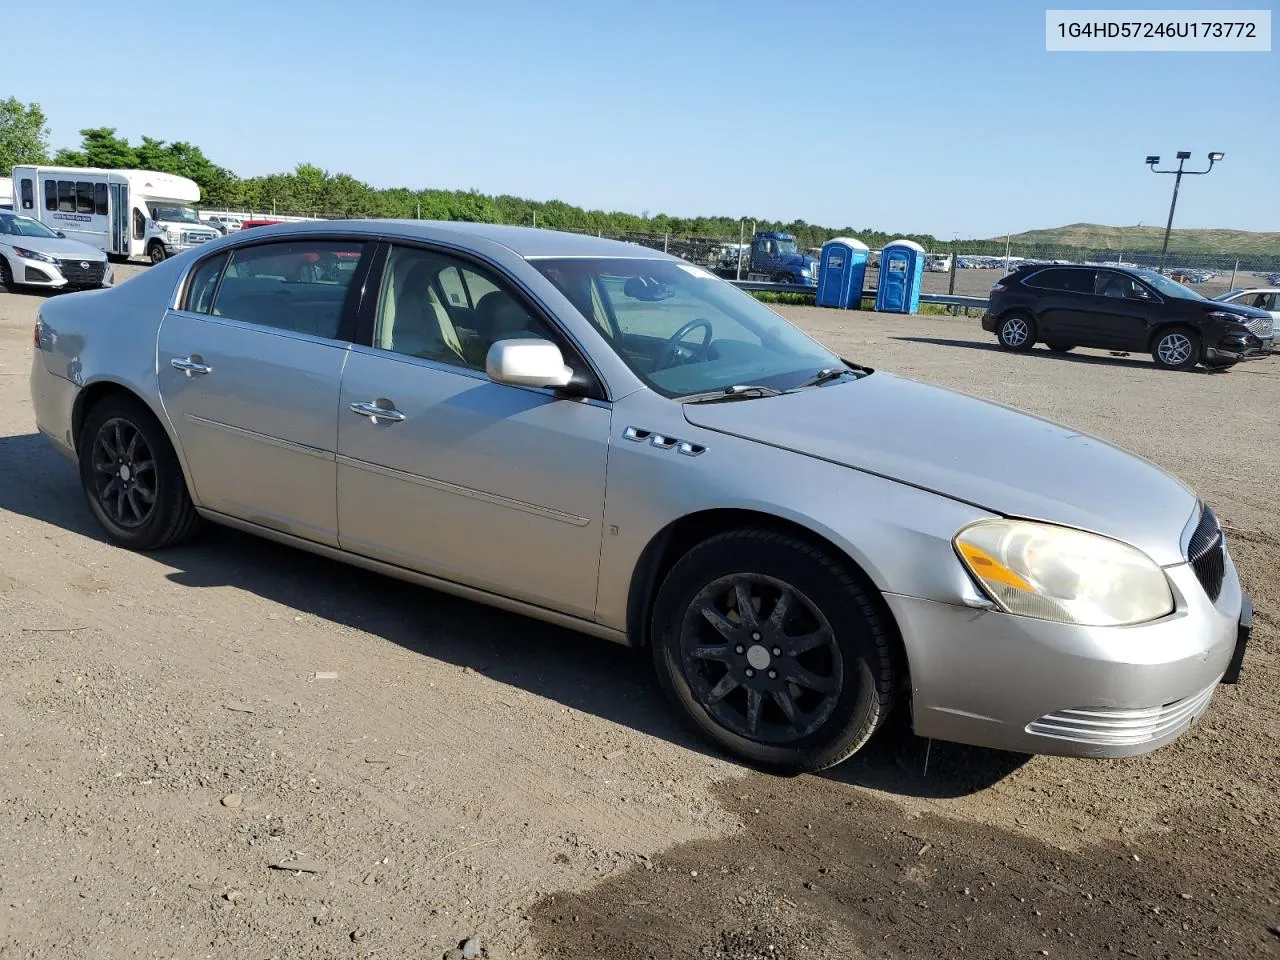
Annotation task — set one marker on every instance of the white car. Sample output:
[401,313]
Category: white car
[33,255]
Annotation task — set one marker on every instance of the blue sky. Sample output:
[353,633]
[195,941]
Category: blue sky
[930,116]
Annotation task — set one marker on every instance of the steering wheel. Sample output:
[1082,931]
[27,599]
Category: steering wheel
[671,348]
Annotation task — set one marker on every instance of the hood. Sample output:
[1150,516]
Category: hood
[1244,311]
[799,260]
[988,455]
[64,248]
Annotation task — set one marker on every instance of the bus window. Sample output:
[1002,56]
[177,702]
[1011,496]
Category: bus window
[139,224]
[28,195]
[51,195]
[100,199]
[66,196]
[84,197]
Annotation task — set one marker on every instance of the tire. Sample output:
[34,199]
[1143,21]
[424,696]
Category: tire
[6,274]
[838,641]
[156,252]
[1177,348]
[124,454]
[1017,332]
[1060,347]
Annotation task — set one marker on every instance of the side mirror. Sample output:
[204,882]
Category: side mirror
[528,362]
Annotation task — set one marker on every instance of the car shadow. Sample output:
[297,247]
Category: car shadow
[1037,352]
[574,670]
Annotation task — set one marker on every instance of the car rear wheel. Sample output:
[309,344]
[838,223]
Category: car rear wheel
[1176,349]
[6,274]
[773,650]
[1060,347]
[131,477]
[156,252]
[1017,331]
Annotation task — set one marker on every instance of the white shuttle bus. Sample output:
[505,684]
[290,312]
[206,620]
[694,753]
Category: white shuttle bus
[134,214]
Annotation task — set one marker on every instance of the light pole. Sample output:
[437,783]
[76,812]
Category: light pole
[1183,157]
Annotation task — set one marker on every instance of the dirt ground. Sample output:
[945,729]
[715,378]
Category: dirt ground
[233,749]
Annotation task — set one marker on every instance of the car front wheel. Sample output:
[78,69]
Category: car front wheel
[156,252]
[1017,331]
[131,477]
[1176,349]
[773,650]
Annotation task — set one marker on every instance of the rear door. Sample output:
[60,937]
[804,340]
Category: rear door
[1123,308]
[1063,301]
[250,369]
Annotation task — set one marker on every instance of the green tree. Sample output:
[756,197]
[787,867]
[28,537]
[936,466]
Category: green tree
[99,147]
[24,134]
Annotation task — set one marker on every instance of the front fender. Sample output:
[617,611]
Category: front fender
[900,536]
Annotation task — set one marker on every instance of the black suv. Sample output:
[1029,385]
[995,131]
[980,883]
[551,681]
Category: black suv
[1123,308]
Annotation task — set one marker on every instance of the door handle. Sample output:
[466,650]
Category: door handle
[376,413]
[191,365]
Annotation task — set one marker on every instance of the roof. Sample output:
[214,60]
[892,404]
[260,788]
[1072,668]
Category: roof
[527,242]
[909,244]
[853,242]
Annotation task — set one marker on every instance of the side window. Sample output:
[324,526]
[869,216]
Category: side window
[28,195]
[66,196]
[100,199]
[295,285]
[84,197]
[51,195]
[1072,281]
[416,315]
[1119,287]
[139,224]
[202,284]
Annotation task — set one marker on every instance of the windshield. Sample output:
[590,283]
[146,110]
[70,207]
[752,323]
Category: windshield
[25,227]
[786,246]
[174,212]
[683,330]
[1167,287]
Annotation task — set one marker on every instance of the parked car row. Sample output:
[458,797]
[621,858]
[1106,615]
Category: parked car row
[1130,309]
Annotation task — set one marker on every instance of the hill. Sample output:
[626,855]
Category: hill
[1099,236]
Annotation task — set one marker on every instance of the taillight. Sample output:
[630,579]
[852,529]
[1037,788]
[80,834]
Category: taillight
[997,288]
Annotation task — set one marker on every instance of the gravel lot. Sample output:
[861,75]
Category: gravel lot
[167,735]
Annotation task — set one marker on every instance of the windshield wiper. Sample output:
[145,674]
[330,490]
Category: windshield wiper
[736,392]
[827,374]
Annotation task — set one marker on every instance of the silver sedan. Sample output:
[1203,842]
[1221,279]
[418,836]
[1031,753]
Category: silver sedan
[611,439]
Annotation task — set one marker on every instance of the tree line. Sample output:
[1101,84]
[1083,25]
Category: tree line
[311,190]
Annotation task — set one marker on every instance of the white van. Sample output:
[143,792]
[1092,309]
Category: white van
[134,214]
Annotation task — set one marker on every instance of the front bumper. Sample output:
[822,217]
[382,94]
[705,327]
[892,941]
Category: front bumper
[1234,349]
[1015,683]
[61,274]
[989,322]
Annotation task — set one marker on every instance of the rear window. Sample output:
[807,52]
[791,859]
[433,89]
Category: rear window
[1072,281]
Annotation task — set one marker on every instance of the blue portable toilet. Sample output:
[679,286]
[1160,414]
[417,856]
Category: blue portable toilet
[842,271]
[901,272]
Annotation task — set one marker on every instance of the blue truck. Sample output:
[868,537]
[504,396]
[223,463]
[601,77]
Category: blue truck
[773,258]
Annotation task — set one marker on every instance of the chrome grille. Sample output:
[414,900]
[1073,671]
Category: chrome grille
[1121,726]
[1260,326]
[1207,553]
[87,272]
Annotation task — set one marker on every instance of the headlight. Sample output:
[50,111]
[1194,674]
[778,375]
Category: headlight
[1068,576]
[1229,317]
[33,255]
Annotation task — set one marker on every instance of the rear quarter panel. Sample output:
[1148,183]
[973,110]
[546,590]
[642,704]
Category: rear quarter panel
[109,336]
